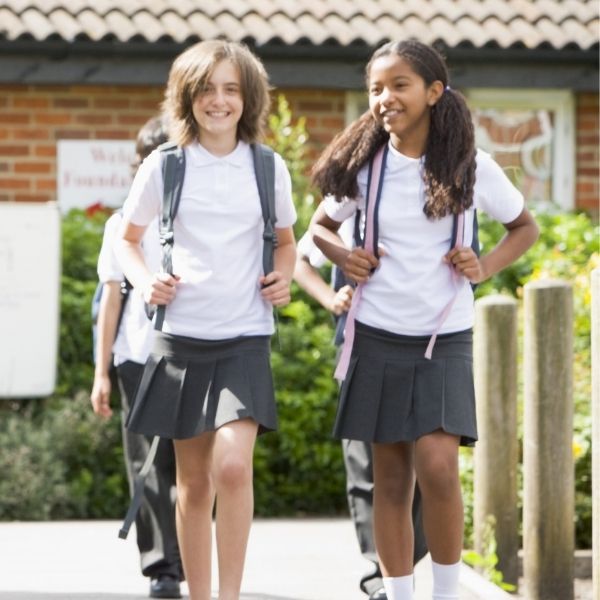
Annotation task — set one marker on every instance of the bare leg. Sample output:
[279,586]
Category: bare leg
[232,475]
[195,500]
[392,507]
[436,464]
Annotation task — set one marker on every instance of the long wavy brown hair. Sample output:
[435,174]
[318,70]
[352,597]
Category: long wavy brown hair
[189,75]
[449,161]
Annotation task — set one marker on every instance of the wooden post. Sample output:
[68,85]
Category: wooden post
[497,451]
[549,479]
[596,432]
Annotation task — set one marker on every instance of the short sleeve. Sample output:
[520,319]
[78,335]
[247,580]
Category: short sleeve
[307,248]
[494,192]
[143,201]
[109,268]
[284,205]
[339,211]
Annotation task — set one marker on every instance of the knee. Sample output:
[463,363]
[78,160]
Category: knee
[233,473]
[196,490]
[438,475]
[394,489]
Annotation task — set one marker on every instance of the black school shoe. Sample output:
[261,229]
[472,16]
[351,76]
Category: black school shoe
[165,586]
[378,595]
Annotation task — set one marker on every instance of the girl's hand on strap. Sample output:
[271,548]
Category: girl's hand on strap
[467,263]
[161,288]
[359,265]
[275,288]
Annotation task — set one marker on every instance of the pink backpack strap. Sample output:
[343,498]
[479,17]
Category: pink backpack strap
[376,173]
[455,283]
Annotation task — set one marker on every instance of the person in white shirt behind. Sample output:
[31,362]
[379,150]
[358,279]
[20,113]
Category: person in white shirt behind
[123,340]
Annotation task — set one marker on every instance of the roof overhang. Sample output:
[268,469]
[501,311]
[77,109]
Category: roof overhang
[328,66]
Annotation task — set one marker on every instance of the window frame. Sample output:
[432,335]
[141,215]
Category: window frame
[562,104]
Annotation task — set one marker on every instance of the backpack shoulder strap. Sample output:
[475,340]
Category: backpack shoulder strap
[173,170]
[374,187]
[264,169]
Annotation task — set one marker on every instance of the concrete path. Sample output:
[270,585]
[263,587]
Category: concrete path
[299,559]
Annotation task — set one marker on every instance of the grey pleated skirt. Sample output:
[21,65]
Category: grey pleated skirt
[190,386]
[392,393]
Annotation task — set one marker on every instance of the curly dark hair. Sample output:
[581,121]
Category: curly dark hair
[449,163]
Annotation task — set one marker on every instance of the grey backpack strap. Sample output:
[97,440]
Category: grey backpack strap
[173,169]
[138,489]
[264,169]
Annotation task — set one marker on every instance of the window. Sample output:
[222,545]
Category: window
[530,133]
[356,104]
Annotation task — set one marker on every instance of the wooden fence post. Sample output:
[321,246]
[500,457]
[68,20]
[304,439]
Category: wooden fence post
[549,479]
[596,432]
[497,451]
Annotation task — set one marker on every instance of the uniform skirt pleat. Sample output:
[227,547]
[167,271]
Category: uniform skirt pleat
[393,393]
[190,386]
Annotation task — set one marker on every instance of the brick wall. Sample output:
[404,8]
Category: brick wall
[33,118]
[587,156]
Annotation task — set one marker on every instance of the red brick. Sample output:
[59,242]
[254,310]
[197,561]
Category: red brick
[44,150]
[94,119]
[150,105]
[33,197]
[13,150]
[110,103]
[137,119]
[45,184]
[52,118]
[314,106]
[70,102]
[31,134]
[115,135]
[33,167]
[30,102]
[72,134]
[13,117]
[336,123]
[14,184]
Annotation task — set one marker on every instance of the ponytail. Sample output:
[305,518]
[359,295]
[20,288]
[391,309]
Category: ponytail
[336,169]
[449,167]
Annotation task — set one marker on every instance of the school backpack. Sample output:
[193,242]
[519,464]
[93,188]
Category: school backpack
[369,241]
[173,167]
[173,175]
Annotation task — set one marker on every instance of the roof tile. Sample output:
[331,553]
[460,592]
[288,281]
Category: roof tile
[530,23]
[92,25]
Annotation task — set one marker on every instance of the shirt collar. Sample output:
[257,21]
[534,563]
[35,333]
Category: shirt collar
[201,157]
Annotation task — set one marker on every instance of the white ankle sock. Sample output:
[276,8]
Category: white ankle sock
[399,588]
[445,581]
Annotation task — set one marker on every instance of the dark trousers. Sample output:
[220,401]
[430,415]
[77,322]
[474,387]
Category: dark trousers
[155,521]
[358,458]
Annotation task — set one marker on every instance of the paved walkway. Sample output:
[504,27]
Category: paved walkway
[299,559]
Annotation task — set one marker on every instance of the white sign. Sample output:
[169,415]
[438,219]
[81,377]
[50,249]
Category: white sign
[29,298]
[93,172]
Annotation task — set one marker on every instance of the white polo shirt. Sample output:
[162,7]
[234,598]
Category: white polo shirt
[411,287]
[134,338]
[218,240]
